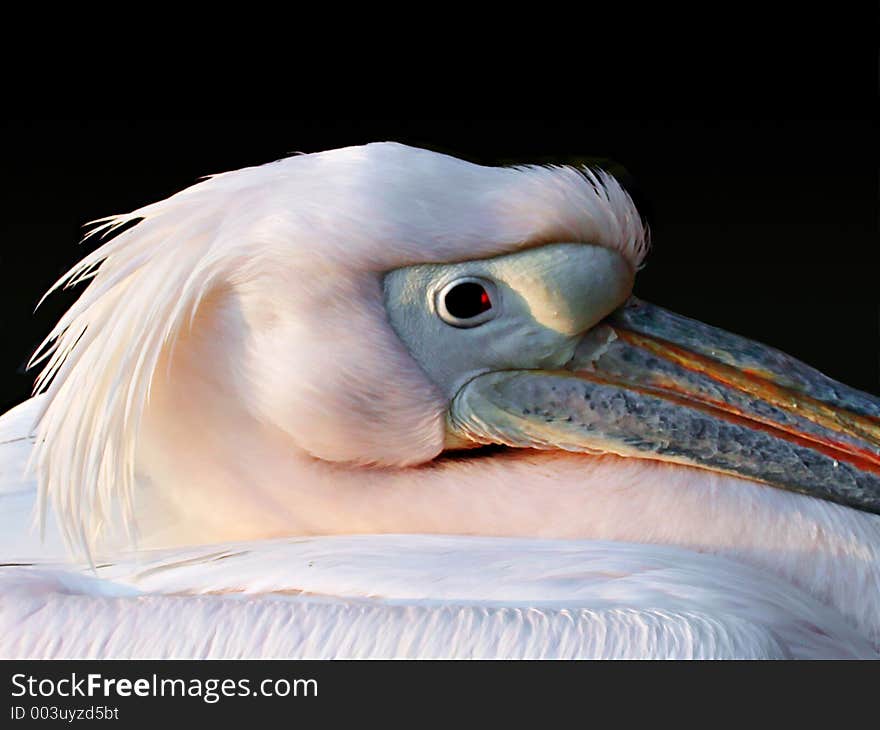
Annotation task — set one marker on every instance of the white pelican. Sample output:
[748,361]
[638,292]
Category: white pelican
[399,404]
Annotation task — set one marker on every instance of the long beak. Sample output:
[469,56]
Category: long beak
[650,384]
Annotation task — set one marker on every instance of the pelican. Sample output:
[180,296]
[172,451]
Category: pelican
[382,402]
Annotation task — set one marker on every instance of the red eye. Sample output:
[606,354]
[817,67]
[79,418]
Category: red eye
[467,302]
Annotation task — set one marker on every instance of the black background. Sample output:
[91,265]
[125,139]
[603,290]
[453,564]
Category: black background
[765,227]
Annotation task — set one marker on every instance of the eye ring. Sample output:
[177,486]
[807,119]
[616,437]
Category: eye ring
[467,302]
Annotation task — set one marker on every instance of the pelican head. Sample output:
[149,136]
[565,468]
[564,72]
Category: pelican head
[387,339]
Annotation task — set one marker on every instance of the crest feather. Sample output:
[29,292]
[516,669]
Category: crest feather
[146,283]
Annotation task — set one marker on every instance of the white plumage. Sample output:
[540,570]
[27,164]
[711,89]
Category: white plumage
[229,380]
[421,596]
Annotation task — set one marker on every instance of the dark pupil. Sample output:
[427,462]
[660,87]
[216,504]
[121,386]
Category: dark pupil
[467,300]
